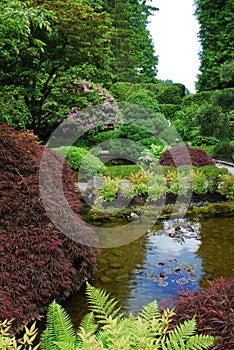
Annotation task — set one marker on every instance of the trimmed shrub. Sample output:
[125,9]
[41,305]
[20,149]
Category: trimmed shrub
[81,159]
[144,99]
[199,98]
[120,171]
[38,262]
[211,119]
[105,136]
[223,151]
[133,132]
[214,309]
[121,91]
[175,157]
[169,109]
[170,95]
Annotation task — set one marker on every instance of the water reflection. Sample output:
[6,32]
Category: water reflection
[175,254]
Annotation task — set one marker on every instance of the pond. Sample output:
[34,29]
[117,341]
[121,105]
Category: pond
[174,255]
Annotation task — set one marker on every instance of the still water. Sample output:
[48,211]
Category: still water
[174,255]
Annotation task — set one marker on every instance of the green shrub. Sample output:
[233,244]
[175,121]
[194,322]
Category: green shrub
[13,110]
[110,189]
[170,95]
[213,176]
[169,109]
[226,186]
[121,91]
[133,132]
[199,99]
[80,159]
[152,153]
[144,99]
[157,187]
[149,141]
[224,99]
[211,120]
[200,140]
[128,149]
[105,136]
[120,171]
[223,151]
[106,328]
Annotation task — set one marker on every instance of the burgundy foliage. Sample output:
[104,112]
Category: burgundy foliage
[182,155]
[214,309]
[37,262]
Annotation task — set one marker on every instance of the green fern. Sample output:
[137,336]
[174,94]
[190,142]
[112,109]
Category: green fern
[149,330]
[59,328]
[100,305]
[183,337]
[88,323]
[150,311]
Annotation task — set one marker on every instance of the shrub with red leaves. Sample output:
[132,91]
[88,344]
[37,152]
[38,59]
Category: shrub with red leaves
[182,155]
[37,262]
[214,309]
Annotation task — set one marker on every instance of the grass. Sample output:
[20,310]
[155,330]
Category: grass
[120,171]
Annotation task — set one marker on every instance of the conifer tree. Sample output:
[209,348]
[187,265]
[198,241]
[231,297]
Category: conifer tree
[216,37]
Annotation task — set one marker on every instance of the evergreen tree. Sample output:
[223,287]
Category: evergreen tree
[132,44]
[216,37]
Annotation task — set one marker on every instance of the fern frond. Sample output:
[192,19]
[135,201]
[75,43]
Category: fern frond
[150,311]
[100,305]
[200,341]
[183,331]
[183,338]
[88,323]
[59,328]
[47,340]
[63,345]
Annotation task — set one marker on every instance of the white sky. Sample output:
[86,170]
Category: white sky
[174,30]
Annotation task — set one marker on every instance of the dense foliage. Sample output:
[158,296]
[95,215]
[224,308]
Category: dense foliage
[216,37]
[167,181]
[82,160]
[214,309]
[47,48]
[106,328]
[38,263]
[44,48]
[176,156]
[132,45]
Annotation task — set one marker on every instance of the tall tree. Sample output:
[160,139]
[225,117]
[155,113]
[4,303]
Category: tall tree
[132,45]
[44,45]
[216,37]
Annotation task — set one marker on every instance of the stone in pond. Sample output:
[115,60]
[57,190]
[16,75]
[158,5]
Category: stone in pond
[122,278]
[116,265]
[106,280]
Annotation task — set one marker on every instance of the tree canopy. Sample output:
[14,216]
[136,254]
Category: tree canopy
[44,44]
[132,45]
[216,37]
[47,46]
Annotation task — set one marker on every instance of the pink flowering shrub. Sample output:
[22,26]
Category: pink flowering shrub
[100,112]
[81,105]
